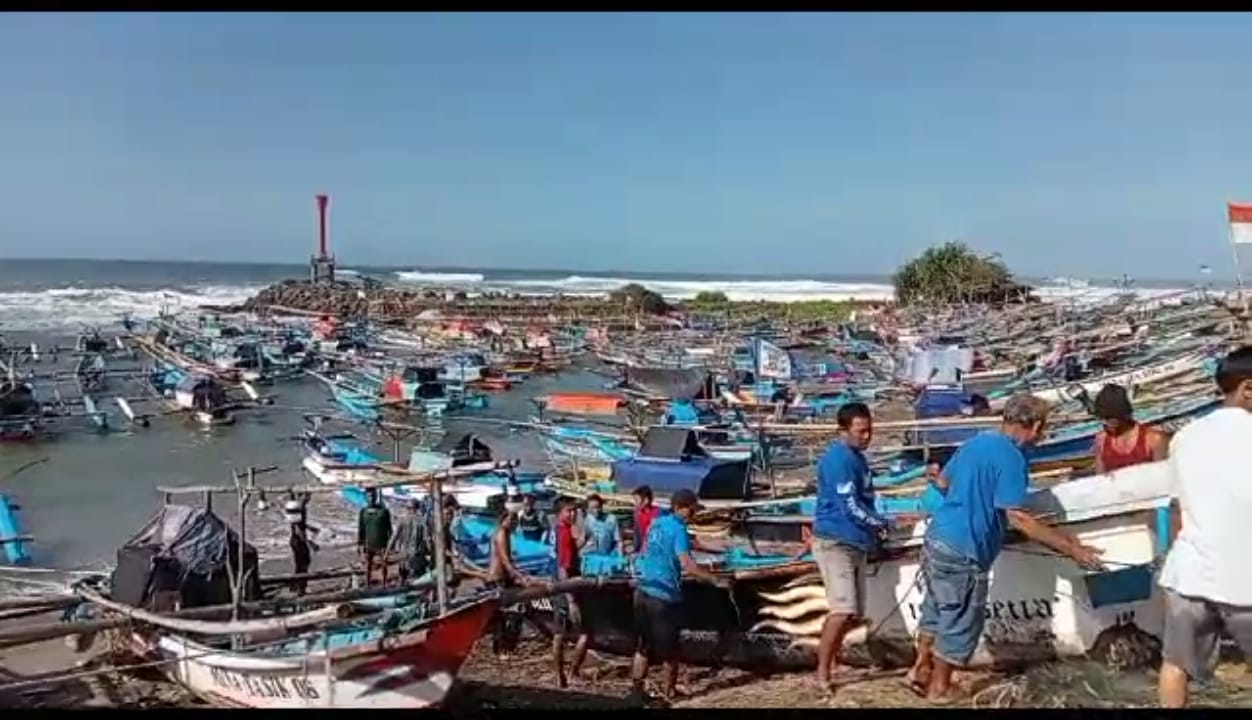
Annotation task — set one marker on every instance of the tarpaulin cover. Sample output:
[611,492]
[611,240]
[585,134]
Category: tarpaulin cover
[191,547]
[937,403]
[709,478]
[682,412]
[582,403]
[464,450]
[670,443]
[674,384]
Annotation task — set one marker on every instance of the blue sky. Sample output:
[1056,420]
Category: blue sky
[1086,145]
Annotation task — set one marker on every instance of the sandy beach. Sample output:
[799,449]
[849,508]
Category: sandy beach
[525,680]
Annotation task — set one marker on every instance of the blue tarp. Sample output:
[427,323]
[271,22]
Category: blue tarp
[936,403]
[682,412]
[708,478]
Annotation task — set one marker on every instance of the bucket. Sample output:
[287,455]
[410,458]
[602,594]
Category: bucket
[1117,587]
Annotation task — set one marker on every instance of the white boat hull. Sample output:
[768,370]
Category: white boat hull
[474,496]
[412,670]
[338,475]
[1039,606]
[1127,379]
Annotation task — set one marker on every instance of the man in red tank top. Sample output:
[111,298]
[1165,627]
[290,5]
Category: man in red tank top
[645,513]
[1123,441]
[567,613]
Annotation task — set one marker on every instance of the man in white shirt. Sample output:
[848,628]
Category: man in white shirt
[1206,578]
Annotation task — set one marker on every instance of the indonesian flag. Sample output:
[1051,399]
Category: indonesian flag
[1240,223]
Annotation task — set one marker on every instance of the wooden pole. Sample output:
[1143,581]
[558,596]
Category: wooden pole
[441,582]
[235,627]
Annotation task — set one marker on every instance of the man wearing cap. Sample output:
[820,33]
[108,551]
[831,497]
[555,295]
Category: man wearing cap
[666,554]
[987,483]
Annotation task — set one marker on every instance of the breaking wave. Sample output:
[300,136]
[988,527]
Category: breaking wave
[1056,289]
[589,285]
[75,307]
[434,278]
[740,290]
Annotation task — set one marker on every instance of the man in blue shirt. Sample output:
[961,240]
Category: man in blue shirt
[665,556]
[601,533]
[986,487]
[845,529]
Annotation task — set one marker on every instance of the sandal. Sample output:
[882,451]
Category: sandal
[913,686]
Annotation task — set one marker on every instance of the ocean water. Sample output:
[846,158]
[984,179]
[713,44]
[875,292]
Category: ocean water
[92,490]
[69,294]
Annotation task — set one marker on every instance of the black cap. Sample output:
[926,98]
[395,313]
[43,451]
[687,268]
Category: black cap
[684,499]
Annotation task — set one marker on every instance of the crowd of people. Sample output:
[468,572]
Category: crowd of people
[978,493]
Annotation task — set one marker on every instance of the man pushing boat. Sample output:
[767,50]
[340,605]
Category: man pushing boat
[846,528]
[986,489]
[657,600]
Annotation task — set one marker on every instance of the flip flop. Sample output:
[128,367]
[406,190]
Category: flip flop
[946,700]
[913,686]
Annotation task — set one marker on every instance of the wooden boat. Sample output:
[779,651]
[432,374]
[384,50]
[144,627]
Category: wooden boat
[1041,606]
[205,399]
[343,460]
[356,667]
[21,413]
[396,648]
[90,373]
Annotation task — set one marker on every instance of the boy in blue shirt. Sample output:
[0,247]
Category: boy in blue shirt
[601,533]
[986,487]
[665,556]
[846,528]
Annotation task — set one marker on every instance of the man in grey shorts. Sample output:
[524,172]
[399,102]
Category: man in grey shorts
[845,528]
[1206,581]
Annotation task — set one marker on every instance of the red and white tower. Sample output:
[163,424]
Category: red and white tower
[322,267]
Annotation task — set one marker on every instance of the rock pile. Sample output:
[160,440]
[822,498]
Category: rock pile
[380,302]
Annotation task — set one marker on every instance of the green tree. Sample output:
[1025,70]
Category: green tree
[951,273]
[709,300]
[637,298]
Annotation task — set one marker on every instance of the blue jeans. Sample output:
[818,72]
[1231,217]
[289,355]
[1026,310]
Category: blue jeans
[954,601]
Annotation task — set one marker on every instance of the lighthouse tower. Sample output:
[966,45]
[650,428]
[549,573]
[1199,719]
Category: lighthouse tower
[322,266]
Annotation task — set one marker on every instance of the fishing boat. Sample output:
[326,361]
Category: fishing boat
[410,666]
[11,539]
[91,373]
[1041,606]
[91,342]
[366,393]
[395,649]
[344,460]
[205,399]
[21,413]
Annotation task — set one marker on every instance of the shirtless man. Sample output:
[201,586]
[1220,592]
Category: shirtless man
[503,573]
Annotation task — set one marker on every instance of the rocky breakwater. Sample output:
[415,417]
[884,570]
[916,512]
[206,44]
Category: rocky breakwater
[387,303]
[343,299]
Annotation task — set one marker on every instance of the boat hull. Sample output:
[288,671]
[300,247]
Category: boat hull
[415,669]
[1040,606]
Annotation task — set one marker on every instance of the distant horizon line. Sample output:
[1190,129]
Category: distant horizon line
[603,272]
